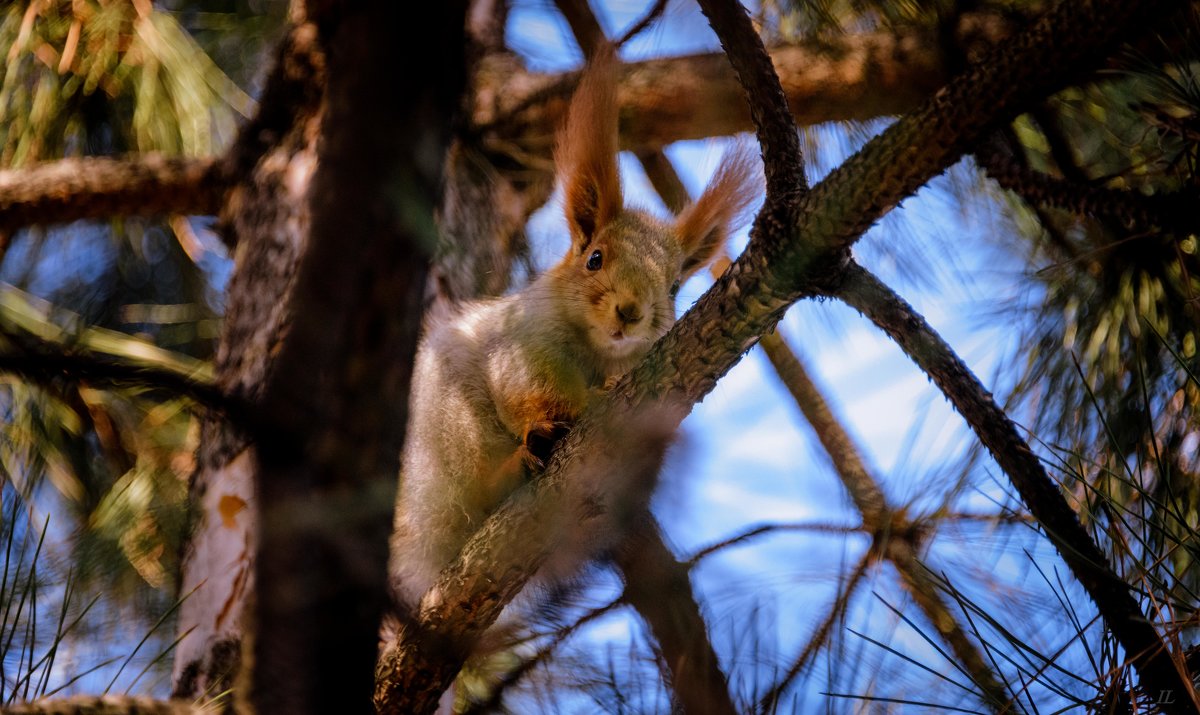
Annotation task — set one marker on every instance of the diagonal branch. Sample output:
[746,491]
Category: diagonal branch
[784,261]
[34,346]
[494,698]
[584,25]
[851,468]
[887,524]
[846,591]
[654,13]
[773,123]
[1112,596]
[45,362]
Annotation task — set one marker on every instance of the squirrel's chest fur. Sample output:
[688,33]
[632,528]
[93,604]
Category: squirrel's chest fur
[481,379]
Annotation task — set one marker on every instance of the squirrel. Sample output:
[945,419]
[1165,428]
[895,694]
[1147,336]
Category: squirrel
[500,380]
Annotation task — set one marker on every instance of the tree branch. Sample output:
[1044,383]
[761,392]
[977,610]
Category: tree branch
[637,28]
[100,187]
[665,180]
[1174,211]
[334,405]
[106,705]
[91,188]
[1087,562]
[847,78]
[773,123]
[583,23]
[49,362]
[658,588]
[34,346]
[782,263]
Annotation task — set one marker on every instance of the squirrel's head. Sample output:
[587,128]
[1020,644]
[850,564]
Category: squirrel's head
[625,266]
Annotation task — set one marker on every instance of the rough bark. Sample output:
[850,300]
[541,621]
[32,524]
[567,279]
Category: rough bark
[488,197]
[334,408]
[793,251]
[773,122]
[74,189]
[105,705]
[268,215]
[481,222]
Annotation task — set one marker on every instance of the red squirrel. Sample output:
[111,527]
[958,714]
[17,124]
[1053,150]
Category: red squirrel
[498,381]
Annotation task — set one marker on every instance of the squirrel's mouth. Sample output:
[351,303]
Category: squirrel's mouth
[617,341]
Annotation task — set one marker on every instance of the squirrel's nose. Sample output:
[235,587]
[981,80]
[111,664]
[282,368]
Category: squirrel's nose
[629,313]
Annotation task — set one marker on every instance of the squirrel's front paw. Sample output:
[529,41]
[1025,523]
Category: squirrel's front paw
[540,439]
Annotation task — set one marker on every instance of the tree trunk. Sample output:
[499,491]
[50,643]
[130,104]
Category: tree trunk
[267,217]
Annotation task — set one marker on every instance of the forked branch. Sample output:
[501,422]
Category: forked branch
[782,264]
[1142,643]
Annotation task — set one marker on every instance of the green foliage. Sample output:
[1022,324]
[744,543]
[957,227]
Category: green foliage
[118,458]
[84,77]
[88,77]
[1116,326]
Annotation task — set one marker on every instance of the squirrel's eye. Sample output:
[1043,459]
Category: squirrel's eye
[595,261]
[674,288]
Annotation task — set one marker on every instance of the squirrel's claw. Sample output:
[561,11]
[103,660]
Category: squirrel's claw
[540,440]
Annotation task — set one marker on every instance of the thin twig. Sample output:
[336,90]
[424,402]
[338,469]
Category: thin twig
[514,676]
[638,27]
[819,637]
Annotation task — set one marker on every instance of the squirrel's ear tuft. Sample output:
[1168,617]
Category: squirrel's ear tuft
[703,227]
[586,156]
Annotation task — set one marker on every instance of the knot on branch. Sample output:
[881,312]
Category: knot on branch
[892,529]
